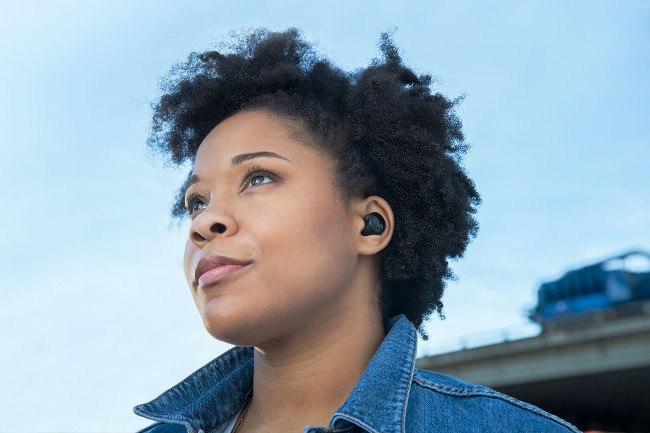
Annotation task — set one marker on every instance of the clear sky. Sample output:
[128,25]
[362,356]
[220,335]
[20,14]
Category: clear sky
[95,315]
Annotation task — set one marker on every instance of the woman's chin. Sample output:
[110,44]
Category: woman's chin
[230,326]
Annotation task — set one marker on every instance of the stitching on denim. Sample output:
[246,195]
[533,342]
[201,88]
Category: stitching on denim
[226,359]
[229,357]
[167,419]
[336,429]
[228,419]
[480,391]
[330,430]
[453,390]
[407,387]
[408,384]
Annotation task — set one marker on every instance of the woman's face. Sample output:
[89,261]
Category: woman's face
[286,219]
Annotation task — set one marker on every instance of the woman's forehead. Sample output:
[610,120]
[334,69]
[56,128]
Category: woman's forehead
[256,133]
[249,132]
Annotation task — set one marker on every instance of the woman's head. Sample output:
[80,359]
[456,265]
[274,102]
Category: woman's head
[385,142]
[264,195]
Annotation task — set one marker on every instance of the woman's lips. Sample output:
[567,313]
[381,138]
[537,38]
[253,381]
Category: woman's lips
[214,275]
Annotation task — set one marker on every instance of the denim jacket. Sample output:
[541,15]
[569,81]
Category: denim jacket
[392,396]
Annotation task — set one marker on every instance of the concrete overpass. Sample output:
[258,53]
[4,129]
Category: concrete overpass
[594,371]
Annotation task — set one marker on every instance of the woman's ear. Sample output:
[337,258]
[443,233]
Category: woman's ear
[372,243]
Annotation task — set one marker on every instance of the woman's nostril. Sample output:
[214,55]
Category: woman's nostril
[197,237]
[218,228]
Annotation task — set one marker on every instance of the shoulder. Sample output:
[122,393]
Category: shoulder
[160,427]
[459,403]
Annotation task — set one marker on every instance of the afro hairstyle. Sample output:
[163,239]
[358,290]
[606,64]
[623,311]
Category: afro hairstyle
[385,130]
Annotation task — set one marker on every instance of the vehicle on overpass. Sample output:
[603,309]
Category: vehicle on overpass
[582,294]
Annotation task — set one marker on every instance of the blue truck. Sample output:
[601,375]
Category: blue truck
[606,286]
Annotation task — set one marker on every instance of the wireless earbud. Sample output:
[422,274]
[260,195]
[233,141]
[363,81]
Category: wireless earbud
[375,224]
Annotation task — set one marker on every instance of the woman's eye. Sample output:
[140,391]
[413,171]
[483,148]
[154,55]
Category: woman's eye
[253,183]
[255,177]
[258,173]
[193,204]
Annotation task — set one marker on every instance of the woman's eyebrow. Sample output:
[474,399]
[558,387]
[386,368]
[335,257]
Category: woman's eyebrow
[238,159]
[246,156]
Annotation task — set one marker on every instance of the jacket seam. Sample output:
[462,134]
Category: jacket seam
[158,422]
[408,386]
[163,419]
[488,392]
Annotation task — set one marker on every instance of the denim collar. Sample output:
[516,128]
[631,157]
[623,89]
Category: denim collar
[212,394]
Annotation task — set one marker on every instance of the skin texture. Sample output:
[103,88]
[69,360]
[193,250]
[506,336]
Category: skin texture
[308,302]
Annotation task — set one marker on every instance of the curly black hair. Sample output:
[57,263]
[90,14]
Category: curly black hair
[387,133]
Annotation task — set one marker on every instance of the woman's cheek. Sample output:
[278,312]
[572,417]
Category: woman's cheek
[190,250]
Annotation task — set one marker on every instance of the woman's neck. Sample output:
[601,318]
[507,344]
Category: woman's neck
[303,380]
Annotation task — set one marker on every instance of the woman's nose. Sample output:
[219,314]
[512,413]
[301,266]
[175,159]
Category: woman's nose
[209,224]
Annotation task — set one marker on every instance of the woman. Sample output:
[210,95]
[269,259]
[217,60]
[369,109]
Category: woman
[324,207]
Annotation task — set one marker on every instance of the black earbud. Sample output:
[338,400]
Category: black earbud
[375,224]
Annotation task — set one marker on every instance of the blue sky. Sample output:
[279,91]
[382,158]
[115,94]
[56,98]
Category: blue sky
[95,315]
